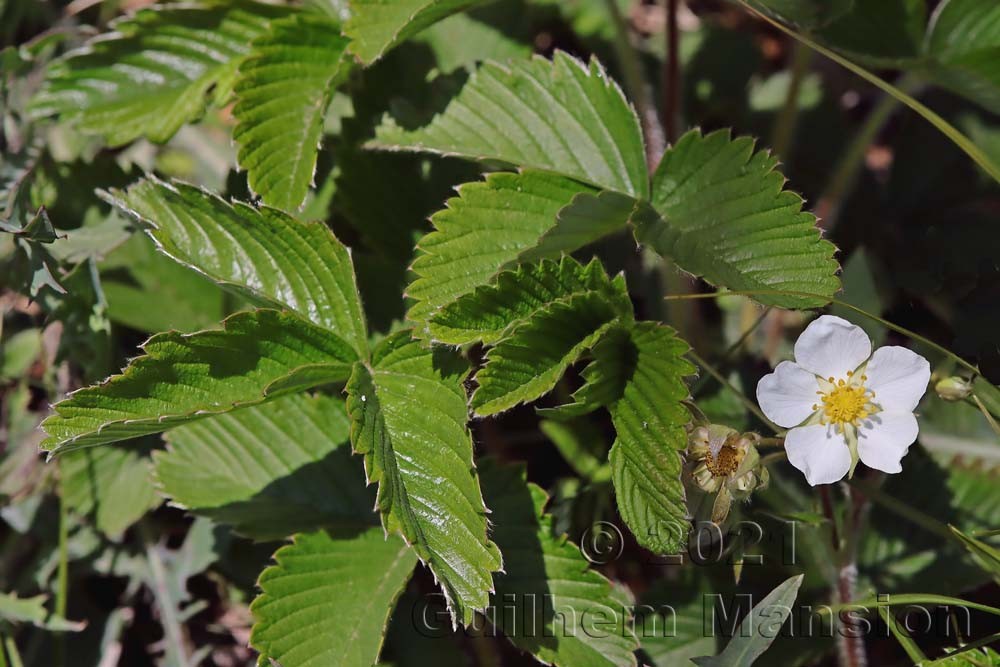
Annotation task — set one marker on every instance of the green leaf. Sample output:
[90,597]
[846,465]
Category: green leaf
[262,254]
[529,362]
[282,94]
[758,629]
[806,13]
[559,629]
[726,218]
[649,420]
[408,413]
[582,445]
[112,484]
[986,555]
[560,116]
[508,219]
[964,43]
[32,610]
[270,470]
[135,274]
[328,598]
[490,312]
[156,71]
[888,33]
[498,31]
[378,25]
[183,377]
[18,352]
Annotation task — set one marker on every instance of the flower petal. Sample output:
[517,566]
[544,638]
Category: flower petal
[884,438]
[787,395]
[820,452]
[831,346]
[899,378]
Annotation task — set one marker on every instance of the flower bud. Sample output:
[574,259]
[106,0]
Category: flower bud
[953,389]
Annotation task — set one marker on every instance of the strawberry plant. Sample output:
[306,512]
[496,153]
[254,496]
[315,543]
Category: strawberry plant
[392,331]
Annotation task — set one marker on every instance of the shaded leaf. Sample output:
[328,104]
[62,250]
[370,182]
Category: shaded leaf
[547,578]
[183,377]
[408,413]
[112,484]
[328,598]
[376,26]
[269,470]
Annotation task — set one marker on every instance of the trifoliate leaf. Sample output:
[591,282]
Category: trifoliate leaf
[507,220]
[284,88]
[649,421]
[156,71]
[549,584]
[489,312]
[560,116]
[262,254]
[269,470]
[328,599]
[408,413]
[529,362]
[183,377]
[111,485]
[726,218]
[378,25]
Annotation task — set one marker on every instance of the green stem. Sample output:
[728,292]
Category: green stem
[809,295]
[12,653]
[849,164]
[904,639]
[784,124]
[721,379]
[946,128]
[62,576]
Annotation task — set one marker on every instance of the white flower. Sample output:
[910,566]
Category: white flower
[842,403]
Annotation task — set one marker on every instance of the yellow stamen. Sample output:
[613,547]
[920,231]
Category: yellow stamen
[846,404]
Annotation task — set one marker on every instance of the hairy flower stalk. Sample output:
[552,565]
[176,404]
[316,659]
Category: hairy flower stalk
[725,462]
[842,404]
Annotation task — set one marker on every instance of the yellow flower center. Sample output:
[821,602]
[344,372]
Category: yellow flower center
[725,462]
[846,402]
